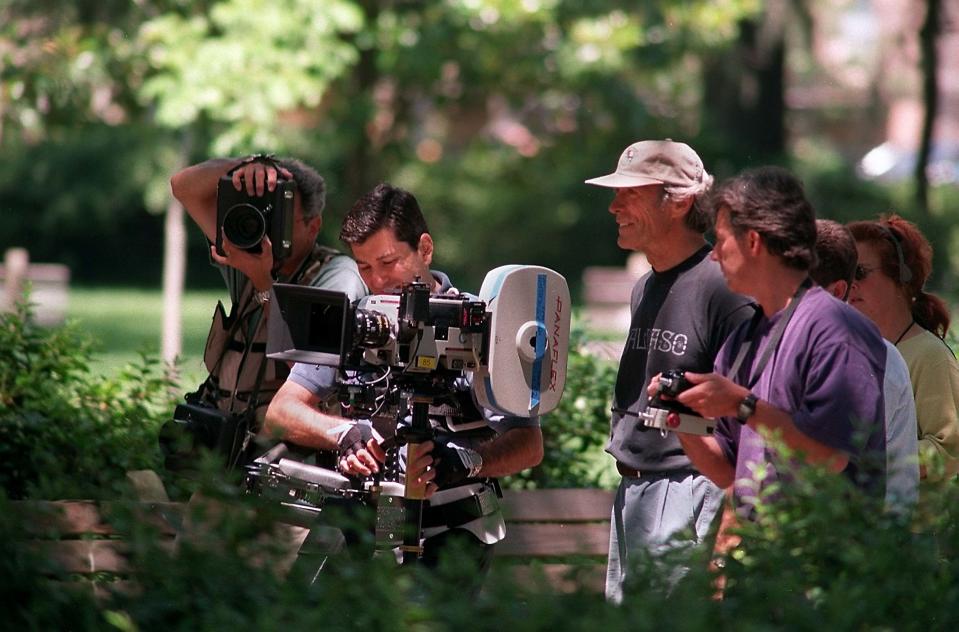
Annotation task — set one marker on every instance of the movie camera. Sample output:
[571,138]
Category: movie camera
[306,491]
[666,413]
[513,339]
[409,349]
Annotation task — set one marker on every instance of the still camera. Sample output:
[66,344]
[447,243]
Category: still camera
[246,219]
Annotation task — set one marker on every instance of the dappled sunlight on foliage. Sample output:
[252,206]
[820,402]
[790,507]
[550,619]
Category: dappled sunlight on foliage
[63,431]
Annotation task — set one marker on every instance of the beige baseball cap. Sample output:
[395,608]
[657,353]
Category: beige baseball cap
[655,162]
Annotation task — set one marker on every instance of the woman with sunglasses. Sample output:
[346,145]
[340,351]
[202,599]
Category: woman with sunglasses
[895,261]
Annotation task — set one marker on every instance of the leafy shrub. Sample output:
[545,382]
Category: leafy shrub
[63,431]
[825,555]
[818,556]
[575,434]
[30,603]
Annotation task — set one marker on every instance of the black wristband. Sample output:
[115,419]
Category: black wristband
[747,408]
[263,159]
[454,463]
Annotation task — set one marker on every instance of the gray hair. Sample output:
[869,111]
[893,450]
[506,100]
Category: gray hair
[699,218]
[309,184]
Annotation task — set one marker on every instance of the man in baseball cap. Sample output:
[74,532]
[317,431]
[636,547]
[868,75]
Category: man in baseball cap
[657,162]
[682,312]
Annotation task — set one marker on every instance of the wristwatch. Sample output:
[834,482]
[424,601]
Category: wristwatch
[262,297]
[747,408]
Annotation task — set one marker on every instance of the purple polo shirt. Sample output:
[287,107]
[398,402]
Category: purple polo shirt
[827,373]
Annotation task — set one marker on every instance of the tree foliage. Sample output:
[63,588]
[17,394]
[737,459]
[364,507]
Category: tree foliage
[472,104]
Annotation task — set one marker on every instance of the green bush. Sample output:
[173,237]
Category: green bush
[575,434]
[63,431]
[818,556]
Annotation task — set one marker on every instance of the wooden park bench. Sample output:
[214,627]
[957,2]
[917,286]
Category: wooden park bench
[551,531]
[78,537]
[559,532]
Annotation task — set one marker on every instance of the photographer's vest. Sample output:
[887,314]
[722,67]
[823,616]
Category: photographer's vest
[240,373]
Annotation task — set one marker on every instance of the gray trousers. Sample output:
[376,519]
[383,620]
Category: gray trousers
[650,510]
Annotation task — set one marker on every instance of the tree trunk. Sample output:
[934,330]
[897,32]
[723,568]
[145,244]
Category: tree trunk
[174,268]
[358,172]
[745,87]
[174,273]
[928,42]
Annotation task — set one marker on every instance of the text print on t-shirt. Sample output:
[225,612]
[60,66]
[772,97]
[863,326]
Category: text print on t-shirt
[656,339]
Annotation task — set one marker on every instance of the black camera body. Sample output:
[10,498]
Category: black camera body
[672,382]
[670,415]
[245,220]
[199,425]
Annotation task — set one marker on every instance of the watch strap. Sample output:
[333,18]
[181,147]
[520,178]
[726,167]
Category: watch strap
[262,297]
[747,408]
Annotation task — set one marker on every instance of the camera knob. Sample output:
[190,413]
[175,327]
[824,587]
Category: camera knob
[532,341]
[672,420]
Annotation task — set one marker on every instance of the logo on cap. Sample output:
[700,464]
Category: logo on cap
[629,155]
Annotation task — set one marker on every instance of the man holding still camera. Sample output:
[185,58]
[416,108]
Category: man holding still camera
[807,368]
[276,245]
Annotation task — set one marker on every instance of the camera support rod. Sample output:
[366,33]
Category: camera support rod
[420,432]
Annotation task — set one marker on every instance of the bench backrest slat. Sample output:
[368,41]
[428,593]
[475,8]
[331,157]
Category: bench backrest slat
[75,518]
[557,505]
[539,540]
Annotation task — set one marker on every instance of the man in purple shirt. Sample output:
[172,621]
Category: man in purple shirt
[808,367]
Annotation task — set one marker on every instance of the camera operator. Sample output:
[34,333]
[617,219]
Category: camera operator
[681,313]
[808,367]
[241,377]
[391,243]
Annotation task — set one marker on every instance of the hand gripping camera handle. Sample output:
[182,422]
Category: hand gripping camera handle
[414,490]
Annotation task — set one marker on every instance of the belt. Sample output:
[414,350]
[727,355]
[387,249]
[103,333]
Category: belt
[459,512]
[632,472]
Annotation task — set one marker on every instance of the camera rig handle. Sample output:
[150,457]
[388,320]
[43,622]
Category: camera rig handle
[415,493]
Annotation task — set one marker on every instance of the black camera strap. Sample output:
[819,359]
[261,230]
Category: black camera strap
[263,159]
[774,337]
[243,316]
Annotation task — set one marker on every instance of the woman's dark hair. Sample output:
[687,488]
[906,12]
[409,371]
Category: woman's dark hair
[836,252]
[386,206]
[906,257]
[771,201]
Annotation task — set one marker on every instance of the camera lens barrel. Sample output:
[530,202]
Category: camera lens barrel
[673,382]
[371,328]
[244,225]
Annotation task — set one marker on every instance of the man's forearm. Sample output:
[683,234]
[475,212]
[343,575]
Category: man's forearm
[513,451]
[708,458]
[195,188]
[292,417]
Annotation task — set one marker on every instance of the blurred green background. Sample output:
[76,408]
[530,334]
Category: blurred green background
[492,112]
[125,322]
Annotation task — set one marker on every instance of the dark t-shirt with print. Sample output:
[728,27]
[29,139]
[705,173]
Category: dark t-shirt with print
[681,317]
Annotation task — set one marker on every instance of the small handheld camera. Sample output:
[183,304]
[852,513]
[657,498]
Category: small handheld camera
[669,414]
[673,382]
[246,219]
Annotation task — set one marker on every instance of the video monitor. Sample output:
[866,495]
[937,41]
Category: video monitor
[308,324]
